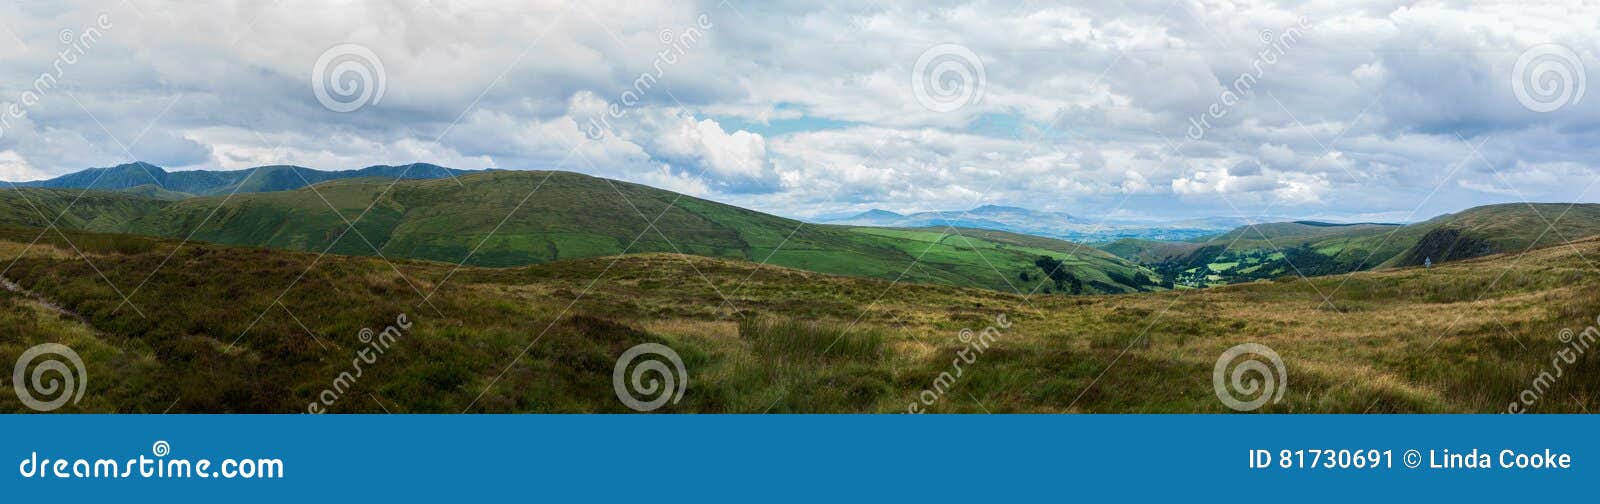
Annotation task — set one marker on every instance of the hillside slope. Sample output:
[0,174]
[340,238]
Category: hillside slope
[499,219]
[1273,250]
[101,211]
[528,217]
[210,183]
[1494,229]
[1297,231]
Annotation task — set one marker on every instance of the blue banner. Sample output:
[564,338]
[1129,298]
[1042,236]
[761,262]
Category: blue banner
[562,458]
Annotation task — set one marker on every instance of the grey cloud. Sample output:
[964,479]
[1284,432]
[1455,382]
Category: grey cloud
[1077,96]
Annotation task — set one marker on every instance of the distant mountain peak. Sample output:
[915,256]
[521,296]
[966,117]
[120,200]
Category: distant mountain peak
[209,183]
[136,167]
[877,212]
[1000,208]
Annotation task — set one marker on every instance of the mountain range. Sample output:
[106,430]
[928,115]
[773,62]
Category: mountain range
[151,180]
[1051,224]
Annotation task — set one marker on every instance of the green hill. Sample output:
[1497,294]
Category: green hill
[1144,251]
[1296,231]
[155,192]
[101,211]
[498,219]
[213,183]
[1493,229]
[1306,248]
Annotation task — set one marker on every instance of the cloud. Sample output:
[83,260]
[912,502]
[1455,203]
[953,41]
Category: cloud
[729,161]
[15,169]
[802,108]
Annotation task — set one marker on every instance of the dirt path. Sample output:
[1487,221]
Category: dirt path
[13,287]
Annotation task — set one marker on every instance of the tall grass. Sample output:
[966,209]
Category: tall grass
[792,339]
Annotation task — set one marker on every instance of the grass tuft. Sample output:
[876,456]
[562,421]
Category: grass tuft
[791,339]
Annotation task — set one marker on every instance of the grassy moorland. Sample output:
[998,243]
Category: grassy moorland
[224,329]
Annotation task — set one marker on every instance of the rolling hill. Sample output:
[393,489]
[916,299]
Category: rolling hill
[1494,229]
[161,183]
[1306,248]
[513,218]
[102,211]
[1297,230]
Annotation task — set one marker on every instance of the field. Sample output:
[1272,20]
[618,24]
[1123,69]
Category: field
[225,329]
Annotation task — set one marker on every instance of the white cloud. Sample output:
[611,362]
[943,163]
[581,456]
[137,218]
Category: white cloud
[16,169]
[802,109]
[737,161]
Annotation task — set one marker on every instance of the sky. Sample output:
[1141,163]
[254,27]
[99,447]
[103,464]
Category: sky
[1338,110]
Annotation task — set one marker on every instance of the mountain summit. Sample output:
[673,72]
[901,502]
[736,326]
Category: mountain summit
[214,183]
